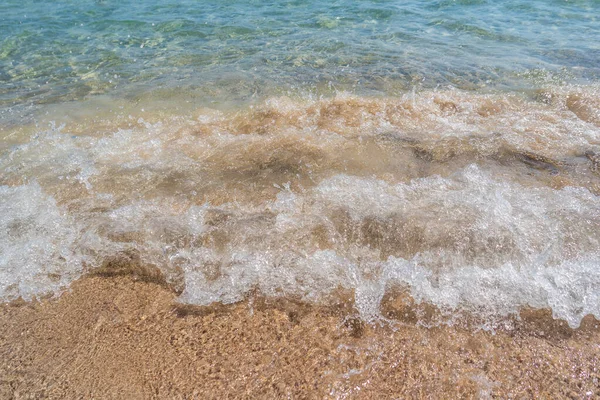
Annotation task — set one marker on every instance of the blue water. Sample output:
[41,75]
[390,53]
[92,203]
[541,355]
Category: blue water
[69,50]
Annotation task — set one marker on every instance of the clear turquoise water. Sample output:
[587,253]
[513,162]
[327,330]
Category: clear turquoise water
[67,50]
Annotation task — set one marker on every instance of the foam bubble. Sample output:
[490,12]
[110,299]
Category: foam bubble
[478,203]
[42,248]
[484,246]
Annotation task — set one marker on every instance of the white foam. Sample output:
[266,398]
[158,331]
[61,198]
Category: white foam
[481,242]
[42,248]
[571,289]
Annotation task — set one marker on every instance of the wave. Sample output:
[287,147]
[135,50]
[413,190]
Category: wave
[475,203]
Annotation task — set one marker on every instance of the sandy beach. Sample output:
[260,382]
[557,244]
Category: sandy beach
[123,335]
[353,199]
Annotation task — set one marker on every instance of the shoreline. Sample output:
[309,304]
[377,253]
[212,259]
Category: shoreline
[299,200]
[123,336]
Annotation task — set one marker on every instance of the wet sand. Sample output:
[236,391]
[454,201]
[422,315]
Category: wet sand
[125,336]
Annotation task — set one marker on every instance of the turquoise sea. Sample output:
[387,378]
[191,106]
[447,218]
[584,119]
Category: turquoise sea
[450,148]
[243,50]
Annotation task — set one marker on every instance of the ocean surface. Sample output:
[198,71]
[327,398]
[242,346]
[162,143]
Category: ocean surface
[444,150]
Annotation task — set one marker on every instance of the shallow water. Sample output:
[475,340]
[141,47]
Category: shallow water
[448,150]
[235,51]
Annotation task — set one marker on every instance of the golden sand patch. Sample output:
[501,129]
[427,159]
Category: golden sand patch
[116,336]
